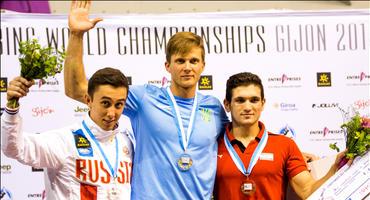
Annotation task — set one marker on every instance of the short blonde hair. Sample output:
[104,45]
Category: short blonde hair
[182,43]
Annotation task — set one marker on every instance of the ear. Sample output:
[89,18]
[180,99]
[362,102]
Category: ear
[204,65]
[167,66]
[227,105]
[263,103]
[88,100]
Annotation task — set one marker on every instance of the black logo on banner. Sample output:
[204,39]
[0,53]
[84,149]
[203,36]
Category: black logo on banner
[323,79]
[129,80]
[205,83]
[3,84]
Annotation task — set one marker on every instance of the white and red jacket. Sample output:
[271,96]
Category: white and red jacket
[75,166]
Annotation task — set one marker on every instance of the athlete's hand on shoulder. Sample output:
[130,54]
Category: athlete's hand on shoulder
[78,20]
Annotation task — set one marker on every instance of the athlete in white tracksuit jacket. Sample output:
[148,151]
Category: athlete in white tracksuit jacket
[83,161]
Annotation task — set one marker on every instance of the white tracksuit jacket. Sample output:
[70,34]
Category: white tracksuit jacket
[74,164]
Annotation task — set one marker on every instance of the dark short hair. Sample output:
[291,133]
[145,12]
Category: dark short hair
[106,76]
[182,43]
[242,79]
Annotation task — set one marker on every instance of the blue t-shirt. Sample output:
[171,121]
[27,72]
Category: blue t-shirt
[158,146]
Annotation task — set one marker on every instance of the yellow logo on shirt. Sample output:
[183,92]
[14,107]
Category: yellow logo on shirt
[206,114]
[81,142]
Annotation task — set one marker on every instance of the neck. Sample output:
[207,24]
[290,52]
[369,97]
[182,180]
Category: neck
[245,132]
[183,92]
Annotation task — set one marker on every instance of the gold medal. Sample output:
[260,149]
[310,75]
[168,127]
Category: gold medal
[184,162]
[248,187]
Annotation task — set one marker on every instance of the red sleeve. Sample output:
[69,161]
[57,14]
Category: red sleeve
[295,163]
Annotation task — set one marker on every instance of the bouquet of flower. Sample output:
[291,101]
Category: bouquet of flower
[357,137]
[38,63]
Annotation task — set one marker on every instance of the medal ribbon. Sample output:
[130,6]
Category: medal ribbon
[184,139]
[256,154]
[113,171]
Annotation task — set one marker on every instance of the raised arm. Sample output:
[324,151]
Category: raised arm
[75,83]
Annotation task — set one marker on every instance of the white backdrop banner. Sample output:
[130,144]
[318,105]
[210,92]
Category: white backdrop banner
[311,64]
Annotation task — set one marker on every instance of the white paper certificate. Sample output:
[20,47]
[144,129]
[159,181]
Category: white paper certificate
[348,183]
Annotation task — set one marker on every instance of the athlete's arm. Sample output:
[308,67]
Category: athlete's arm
[75,83]
[304,184]
[30,149]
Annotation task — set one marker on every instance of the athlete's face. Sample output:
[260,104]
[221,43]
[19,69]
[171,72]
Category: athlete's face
[107,105]
[246,105]
[185,69]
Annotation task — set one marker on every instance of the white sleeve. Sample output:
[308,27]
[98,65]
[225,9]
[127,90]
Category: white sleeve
[37,150]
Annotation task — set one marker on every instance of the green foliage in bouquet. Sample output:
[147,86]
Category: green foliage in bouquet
[38,62]
[357,135]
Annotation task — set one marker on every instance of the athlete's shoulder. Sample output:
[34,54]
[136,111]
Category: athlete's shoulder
[147,88]
[208,99]
[282,139]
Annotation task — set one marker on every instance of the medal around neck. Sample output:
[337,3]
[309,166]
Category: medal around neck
[248,187]
[114,191]
[184,162]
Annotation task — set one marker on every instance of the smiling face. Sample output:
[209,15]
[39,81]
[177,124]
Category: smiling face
[246,105]
[185,70]
[106,105]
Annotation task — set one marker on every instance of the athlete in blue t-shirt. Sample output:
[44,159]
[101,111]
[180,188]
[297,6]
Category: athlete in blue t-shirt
[175,127]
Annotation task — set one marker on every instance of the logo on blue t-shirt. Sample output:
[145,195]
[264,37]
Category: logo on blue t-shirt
[206,114]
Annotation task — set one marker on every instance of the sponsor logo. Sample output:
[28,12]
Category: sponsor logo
[358,79]
[83,145]
[6,169]
[82,142]
[3,84]
[284,81]
[206,114]
[362,104]
[285,106]
[35,195]
[325,105]
[42,111]
[80,111]
[161,83]
[37,169]
[5,194]
[326,134]
[47,85]
[287,131]
[323,79]
[205,83]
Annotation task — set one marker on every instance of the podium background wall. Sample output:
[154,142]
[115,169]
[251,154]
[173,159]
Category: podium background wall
[311,63]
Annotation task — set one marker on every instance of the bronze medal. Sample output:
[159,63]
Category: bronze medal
[248,187]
